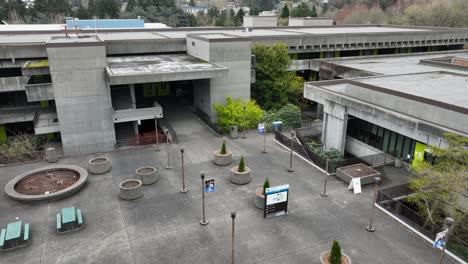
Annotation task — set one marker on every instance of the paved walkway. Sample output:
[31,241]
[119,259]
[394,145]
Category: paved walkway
[163,226]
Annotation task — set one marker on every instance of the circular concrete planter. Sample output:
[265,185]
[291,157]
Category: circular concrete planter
[398,163]
[240,177]
[222,159]
[99,165]
[131,189]
[148,175]
[259,199]
[344,258]
[51,155]
[13,194]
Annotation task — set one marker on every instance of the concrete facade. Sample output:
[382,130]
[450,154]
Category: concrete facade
[82,95]
[260,21]
[311,21]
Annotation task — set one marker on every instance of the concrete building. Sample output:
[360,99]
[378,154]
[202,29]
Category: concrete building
[397,104]
[98,86]
[260,21]
[310,21]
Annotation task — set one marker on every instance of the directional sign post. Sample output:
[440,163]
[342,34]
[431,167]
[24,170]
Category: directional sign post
[209,185]
[276,200]
[439,240]
[262,130]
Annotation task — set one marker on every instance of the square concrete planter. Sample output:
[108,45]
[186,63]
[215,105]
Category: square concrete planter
[147,175]
[360,170]
[240,177]
[222,159]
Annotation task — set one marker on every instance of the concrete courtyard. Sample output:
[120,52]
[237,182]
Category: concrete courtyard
[164,225]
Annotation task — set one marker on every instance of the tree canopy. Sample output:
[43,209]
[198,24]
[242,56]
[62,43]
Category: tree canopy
[303,10]
[232,113]
[275,85]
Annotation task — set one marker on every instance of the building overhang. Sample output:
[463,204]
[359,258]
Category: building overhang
[160,68]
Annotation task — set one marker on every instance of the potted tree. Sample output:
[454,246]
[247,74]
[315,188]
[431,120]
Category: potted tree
[241,174]
[334,256]
[260,195]
[223,157]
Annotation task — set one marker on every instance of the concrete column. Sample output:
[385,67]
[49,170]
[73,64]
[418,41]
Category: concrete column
[337,54]
[375,52]
[335,125]
[322,55]
[3,135]
[132,94]
[135,127]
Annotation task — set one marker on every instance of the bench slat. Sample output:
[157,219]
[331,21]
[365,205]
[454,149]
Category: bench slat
[80,218]
[26,232]
[2,237]
[59,221]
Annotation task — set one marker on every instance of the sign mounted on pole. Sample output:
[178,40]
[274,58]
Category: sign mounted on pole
[261,128]
[276,200]
[439,240]
[209,185]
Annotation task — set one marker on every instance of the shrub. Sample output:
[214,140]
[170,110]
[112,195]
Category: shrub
[289,114]
[241,167]
[266,185]
[335,253]
[232,113]
[223,148]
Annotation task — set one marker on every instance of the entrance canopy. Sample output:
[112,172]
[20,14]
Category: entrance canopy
[160,68]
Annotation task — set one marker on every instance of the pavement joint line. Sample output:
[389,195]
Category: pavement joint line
[43,237]
[419,234]
[218,245]
[317,167]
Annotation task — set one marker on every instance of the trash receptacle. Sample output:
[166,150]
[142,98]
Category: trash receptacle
[234,132]
[51,155]
[278,126]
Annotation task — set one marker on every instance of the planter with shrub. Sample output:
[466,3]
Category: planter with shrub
[223,157]
[241,174]
[334,256]
[260,195]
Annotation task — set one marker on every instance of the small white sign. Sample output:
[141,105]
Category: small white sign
[261,128]
[355,185]
[440,238]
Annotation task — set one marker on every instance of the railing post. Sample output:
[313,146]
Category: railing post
[324,193]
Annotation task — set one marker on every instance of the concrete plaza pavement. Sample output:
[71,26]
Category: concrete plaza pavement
[163,226]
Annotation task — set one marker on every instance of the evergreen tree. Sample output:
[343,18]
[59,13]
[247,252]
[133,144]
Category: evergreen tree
[82,13]
[223,148]
[335,254]
[108,8]
[285,12]
[241,167]
[192,3]
[239,18]
[130,5]
[266,185]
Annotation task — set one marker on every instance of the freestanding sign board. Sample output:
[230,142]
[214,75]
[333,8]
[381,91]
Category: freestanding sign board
[355,184]
[276,200]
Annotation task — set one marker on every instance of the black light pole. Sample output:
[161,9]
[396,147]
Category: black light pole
[203,221]
[183,190]
[264,140]
[324,193]
[291,152]
[370,227]
[156,134]
[448,222]
[168,167]
[244,137]
[233,217]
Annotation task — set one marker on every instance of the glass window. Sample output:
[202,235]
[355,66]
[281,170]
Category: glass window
[386,140]
[391,145]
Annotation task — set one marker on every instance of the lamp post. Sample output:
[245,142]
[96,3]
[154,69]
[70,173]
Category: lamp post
[264,140]
[324,193]
[156,134]
[183,190]
[448,223]
[203,221]
[244,137]
[233,217]
[370,227]
[168,167]
[293,135]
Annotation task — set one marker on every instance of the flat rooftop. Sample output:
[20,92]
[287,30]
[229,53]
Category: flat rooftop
[153,64]
[398,64]
[10,34]
[447,88]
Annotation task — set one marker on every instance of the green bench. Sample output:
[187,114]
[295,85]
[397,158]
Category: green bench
[10,237]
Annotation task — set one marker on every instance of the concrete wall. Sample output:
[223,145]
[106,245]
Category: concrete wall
[334,126]
[82,95]
[260,21]
[235,55]
[315,21]
[360,149]
[39,92]
[9,84]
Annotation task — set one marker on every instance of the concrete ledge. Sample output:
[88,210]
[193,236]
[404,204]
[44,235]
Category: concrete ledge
[10,187]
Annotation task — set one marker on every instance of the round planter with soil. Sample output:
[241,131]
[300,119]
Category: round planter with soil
[222,159]
[259,199]
[148,175]
[325,258]
[99,165]
[240,177]
[131,189]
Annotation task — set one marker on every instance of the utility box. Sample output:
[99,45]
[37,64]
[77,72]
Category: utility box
[234,132]
[278,126]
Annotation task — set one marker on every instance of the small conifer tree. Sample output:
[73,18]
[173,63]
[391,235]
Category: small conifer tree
[335,254]
[266,185]
[241,167]
[223,148]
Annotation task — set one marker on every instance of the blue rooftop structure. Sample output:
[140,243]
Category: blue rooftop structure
[106,23]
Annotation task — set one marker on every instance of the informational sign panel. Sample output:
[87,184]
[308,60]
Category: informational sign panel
[209,185]
[440,239]
[276,200]
[355,185]
[261,128]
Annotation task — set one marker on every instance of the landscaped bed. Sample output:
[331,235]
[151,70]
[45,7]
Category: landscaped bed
[47,181]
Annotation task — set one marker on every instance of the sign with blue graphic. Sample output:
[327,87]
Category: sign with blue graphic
[209,185]
[261,128]
[439,240]
[276,200]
